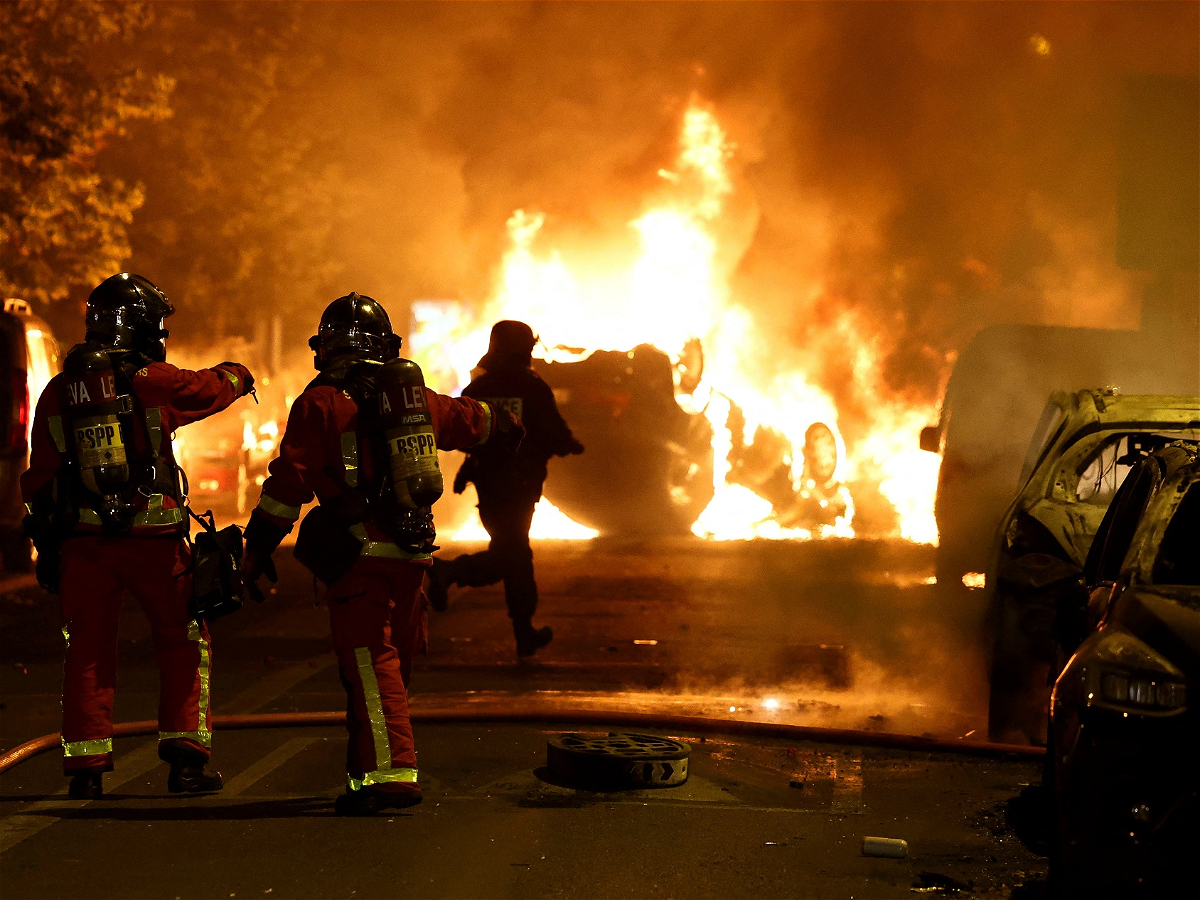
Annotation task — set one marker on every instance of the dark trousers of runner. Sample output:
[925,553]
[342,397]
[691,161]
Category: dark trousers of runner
[508,557]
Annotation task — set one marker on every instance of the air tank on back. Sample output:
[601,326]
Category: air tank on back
[407,427]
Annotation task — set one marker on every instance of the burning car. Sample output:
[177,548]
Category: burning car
[1085,445]
[225,459]
[650,469]
[1123,738]
[29,358]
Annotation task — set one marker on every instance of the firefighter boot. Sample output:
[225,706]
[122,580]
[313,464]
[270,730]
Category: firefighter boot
[366,802]
[440,579]
[86,786]
[188,774]
[530,640]
[186,779]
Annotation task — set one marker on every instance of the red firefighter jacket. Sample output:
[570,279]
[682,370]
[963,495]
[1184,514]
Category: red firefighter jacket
[320,454]
[170,398]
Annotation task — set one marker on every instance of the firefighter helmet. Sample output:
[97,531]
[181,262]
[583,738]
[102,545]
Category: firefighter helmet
[127,312]
[354,326]
[511,344]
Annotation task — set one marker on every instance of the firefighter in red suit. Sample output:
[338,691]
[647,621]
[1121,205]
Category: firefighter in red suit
[106,514]
[363,438]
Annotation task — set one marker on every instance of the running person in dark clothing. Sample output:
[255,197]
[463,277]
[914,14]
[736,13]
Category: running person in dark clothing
[509,485]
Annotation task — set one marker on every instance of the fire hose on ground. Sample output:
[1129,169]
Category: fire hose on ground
[600,718]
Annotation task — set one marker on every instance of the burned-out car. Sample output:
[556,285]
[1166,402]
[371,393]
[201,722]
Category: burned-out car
[649,465]
[29,358]
[991,406]
[1085,445]
[1124,732]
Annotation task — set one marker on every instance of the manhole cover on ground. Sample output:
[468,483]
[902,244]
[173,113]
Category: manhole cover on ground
[618,760]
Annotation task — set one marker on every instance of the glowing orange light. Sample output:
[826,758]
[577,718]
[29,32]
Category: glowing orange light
[674,289]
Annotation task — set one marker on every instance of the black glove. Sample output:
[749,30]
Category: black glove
[262,539]
[247,381]
[509,430]
[574,448]
[254,566]
[48,568]
[460,479]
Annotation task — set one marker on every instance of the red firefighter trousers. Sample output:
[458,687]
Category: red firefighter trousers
[96,572]
[379,621]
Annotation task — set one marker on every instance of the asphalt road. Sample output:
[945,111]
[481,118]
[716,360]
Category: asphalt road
[844,634]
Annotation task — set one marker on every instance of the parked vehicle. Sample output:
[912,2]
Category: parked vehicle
[1124,725]
[1085,445]
[225,459]
[990,410]
[29,358]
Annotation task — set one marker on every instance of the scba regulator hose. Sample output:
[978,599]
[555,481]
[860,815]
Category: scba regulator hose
[598,718]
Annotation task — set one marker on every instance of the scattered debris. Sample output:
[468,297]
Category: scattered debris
[892,848]
[931,882]
[796,784]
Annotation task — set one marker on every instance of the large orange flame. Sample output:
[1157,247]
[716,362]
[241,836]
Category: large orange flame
[673,291]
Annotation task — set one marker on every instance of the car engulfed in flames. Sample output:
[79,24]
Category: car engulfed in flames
[649,469]
[697,415]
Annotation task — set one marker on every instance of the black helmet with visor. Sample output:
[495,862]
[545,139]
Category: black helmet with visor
[128,312]
[354,327]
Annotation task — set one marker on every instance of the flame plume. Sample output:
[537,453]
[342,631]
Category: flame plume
[675,291]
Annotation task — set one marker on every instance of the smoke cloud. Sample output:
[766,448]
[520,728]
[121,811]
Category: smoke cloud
[906,173]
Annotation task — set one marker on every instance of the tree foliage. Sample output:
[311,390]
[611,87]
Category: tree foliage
[237,213]
[68,85]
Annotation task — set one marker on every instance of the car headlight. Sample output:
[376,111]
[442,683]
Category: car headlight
[1127,675]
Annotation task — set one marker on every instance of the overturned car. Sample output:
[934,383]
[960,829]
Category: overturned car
[650,463]
[1085,445]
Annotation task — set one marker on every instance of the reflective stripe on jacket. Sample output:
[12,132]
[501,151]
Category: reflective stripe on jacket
[320,454]
[170,398]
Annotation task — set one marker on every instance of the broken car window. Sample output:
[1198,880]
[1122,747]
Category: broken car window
[1104,471]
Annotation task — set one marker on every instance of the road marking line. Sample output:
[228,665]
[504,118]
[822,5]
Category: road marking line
[28,822]
[263,767]
[25,824]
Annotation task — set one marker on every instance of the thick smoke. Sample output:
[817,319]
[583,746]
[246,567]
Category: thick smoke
[906,173]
